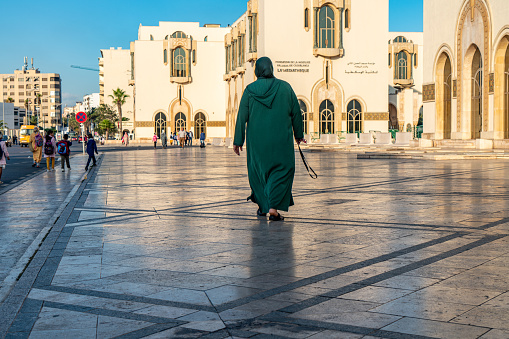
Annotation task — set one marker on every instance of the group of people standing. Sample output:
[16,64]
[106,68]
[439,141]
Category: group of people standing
[48,147]
[181,138]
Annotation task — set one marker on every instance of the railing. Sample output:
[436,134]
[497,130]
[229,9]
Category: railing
[393,132]
[418,132]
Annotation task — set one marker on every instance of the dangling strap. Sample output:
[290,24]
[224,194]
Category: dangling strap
[309,169]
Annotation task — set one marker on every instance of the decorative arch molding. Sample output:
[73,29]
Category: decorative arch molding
[201,111]
[466,19]
[364,106]
[501,86]
[309,112]
[160,111]
[443,83]
[332,91]
[180,106]
[501,35]
[444,48]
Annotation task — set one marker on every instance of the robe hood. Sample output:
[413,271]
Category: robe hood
[264,90]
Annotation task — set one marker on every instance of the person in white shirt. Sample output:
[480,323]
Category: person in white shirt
[182,137]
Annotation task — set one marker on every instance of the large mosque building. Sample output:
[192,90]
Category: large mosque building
[350,74]
[466,72]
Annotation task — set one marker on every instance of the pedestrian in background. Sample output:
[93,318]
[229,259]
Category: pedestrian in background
[64,149]
[35,143]
[91,149]
[202,139]
[191,136]
[164,140]
[182,137]
[125,139]
[4,156]
[15,140]
[154,139]
[270,112]
[50,151]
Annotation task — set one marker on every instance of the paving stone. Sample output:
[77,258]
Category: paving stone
[352,257]
[434,329]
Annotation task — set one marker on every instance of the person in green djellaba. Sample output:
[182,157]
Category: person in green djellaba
[269,117]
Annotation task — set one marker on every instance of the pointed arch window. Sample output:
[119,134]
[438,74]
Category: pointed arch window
[477,99]
[327,117]
[326,28]
[306,18]
[151,37]
[179,35]
[160,124]
[179,62]
[200,125]
[165,56]
[166,37]
[402,65]
[180,121]
[401,39]
[304,112]
[354,117]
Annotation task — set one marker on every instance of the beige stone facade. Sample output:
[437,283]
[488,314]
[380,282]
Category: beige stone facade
[115,72]
[27,84]
[466,71]
[341,83]
[405,80]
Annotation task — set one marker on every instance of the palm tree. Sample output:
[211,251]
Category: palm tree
[10,100]
[119,97]
[107,126]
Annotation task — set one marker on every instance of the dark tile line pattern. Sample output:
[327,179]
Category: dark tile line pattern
[46,256]
[125,297]
[82,200]
[156,328]
[415,227]
[114,313]
[258,296]
[282,318]
[94,221]
[387,275]
[336,272]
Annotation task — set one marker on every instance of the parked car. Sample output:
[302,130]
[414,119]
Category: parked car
[8,140]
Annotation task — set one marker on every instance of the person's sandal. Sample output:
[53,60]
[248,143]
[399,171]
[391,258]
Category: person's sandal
[277,217]
[260,214]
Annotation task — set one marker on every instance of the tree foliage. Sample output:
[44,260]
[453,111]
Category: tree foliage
[119,97]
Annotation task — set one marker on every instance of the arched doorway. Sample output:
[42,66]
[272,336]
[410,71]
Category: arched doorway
[180,121]
[304,112]
[327,117]
[476,97]
[393,117]
[443,87]
[354,117]
[160,124]
[502,89]
[200,125]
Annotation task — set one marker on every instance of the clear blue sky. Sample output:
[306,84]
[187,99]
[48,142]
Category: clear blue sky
[60,33]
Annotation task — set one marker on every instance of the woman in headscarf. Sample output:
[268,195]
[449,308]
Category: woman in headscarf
[36,142]
[270,113]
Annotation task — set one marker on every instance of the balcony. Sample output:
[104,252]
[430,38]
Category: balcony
[329,52]
[252,56]
[403,83]
[180,80]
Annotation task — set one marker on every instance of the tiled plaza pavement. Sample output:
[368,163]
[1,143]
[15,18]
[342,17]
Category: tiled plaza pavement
[26,209]
[162,244]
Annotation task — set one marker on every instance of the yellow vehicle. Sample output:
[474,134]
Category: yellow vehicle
[24,135]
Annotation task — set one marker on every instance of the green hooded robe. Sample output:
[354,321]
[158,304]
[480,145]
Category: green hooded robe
[271,111]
